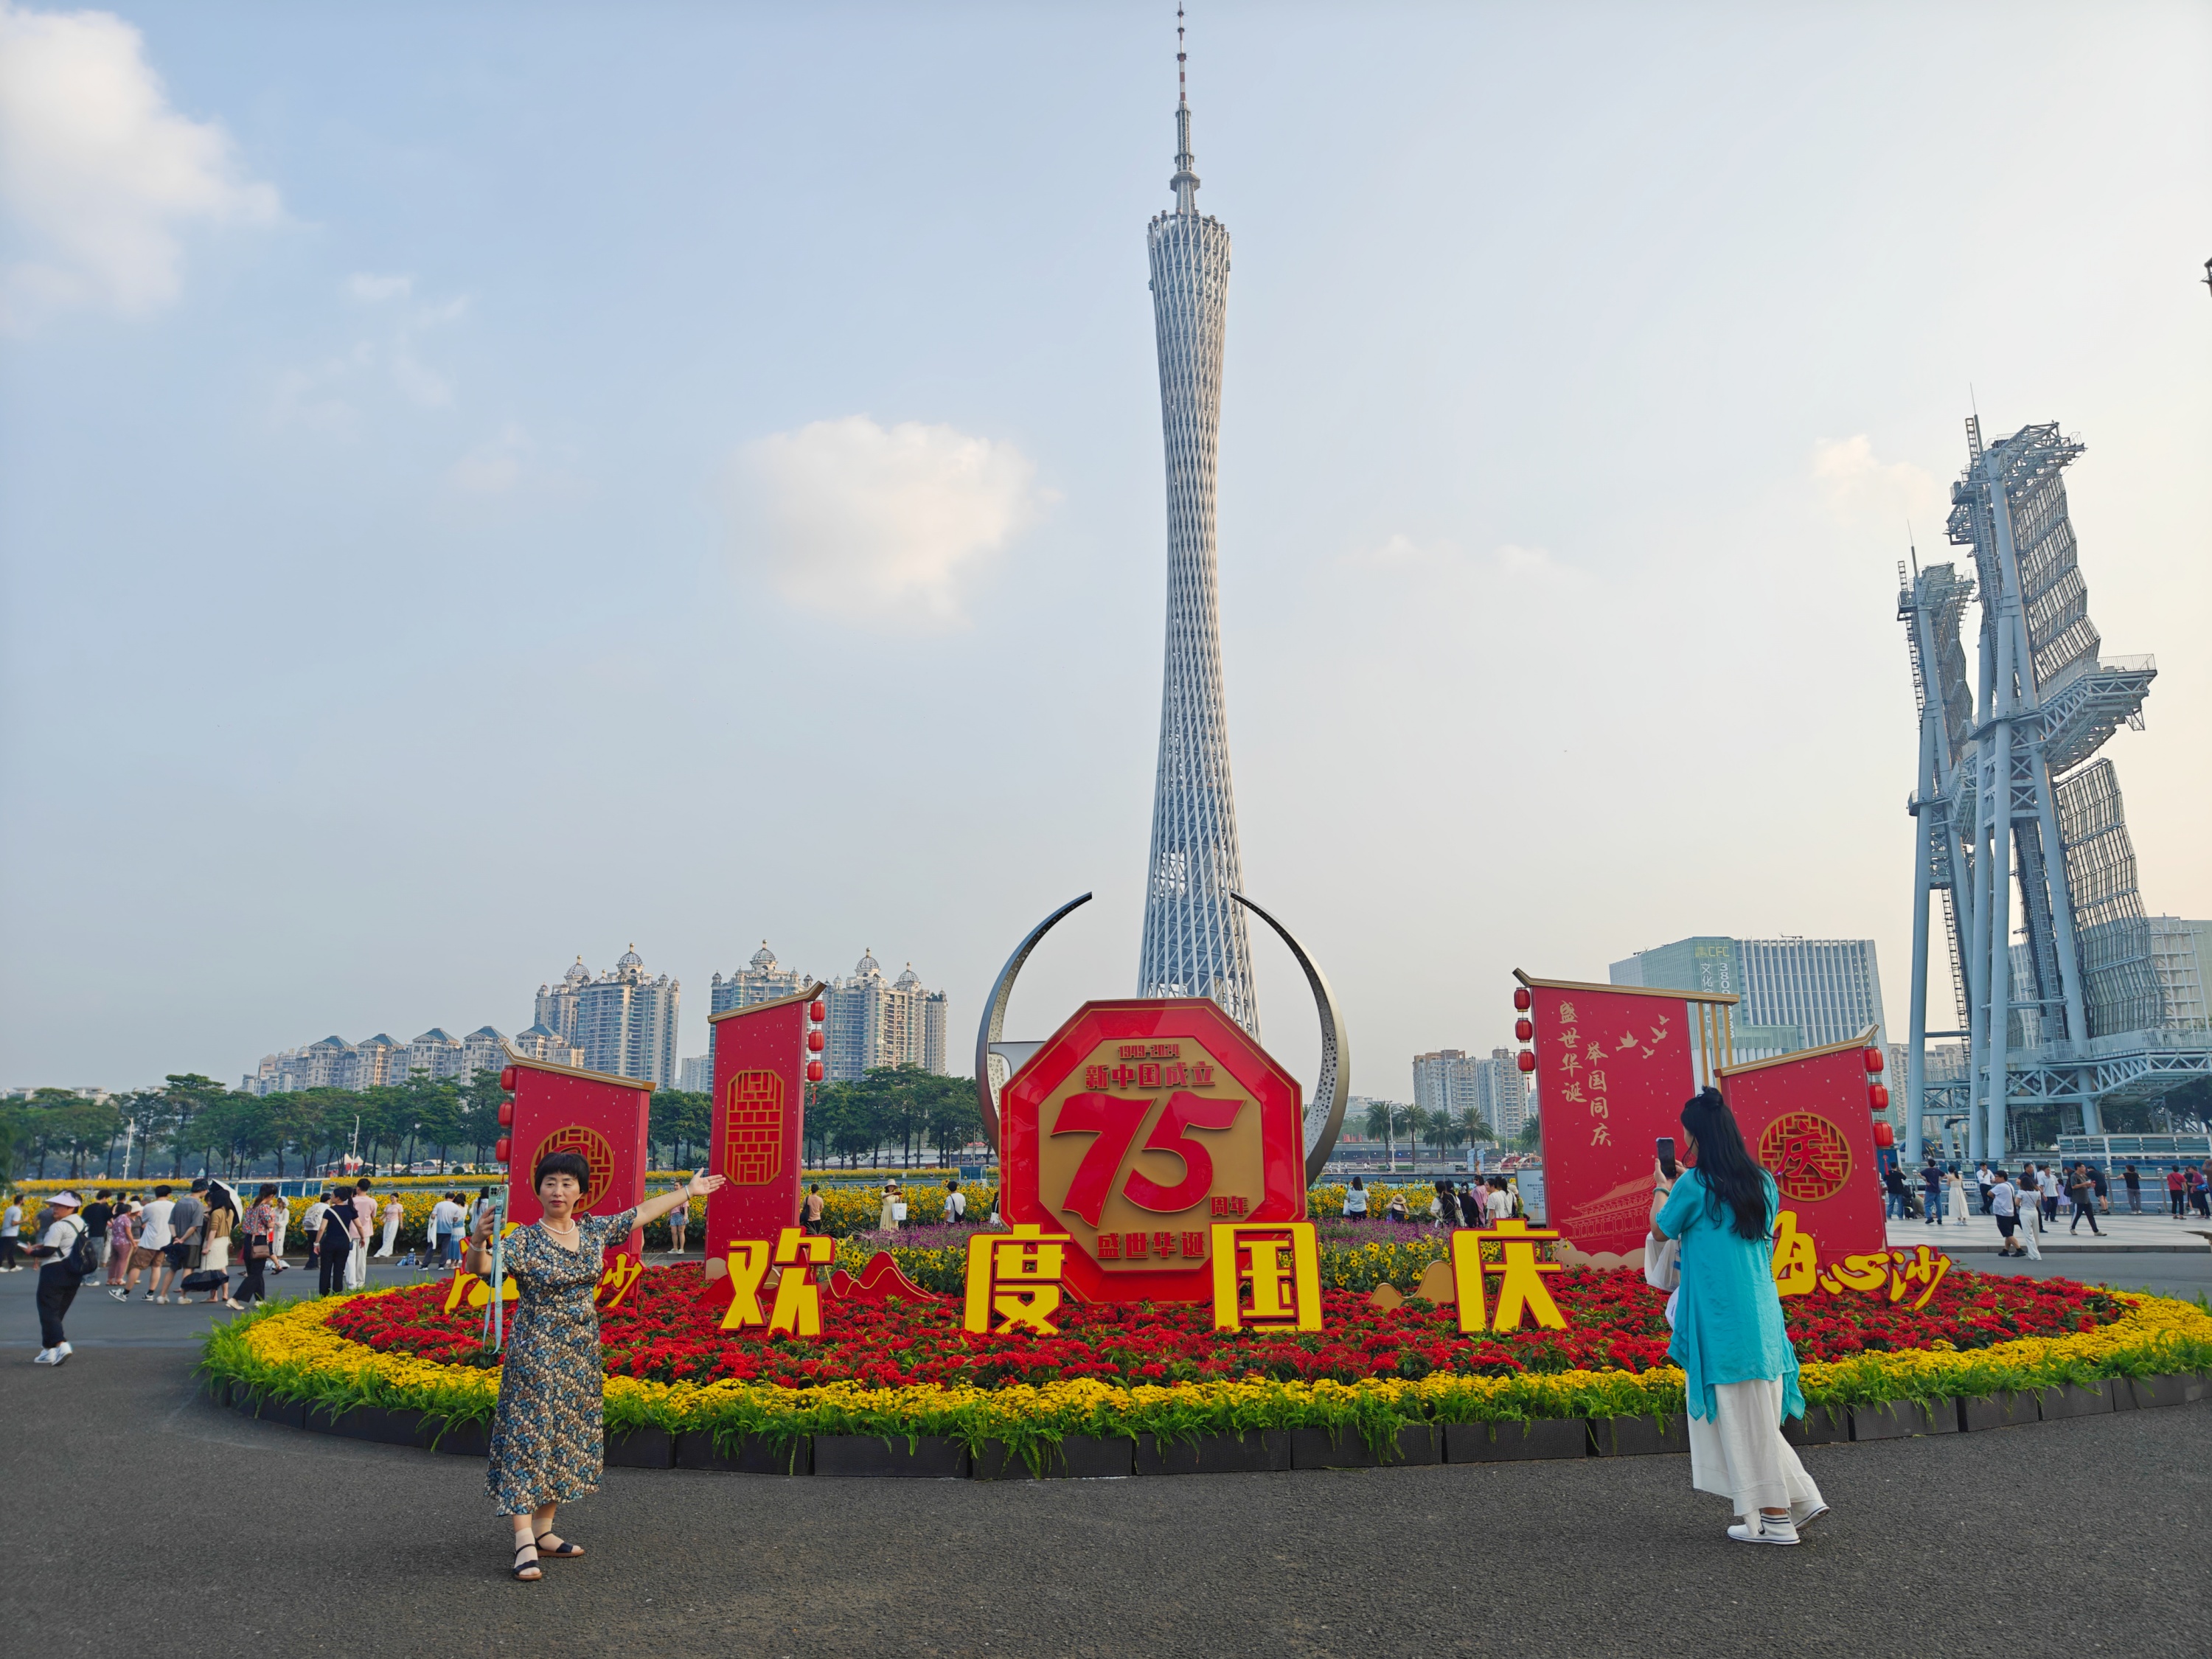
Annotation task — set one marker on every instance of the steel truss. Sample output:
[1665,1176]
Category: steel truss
[2008,806]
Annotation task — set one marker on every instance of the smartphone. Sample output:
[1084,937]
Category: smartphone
[1667,1156]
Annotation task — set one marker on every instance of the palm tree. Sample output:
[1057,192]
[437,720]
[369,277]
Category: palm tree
[1416,1120]
[1381,1125]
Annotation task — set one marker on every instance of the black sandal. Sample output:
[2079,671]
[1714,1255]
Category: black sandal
[565,1551]
[522,1566]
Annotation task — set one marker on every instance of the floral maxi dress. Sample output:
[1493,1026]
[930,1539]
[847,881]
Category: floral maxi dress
[548,1435]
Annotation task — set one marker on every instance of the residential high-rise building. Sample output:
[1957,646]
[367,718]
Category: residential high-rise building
[626,1023]
[760,981]
[1194,942]
[697,1075]
[557,1003]
[1444,1082]
[376,1062]
[1502,1093]
[875,1022]
[1827,988]
[540,1044]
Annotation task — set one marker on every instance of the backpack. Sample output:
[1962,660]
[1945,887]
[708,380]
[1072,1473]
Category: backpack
[79,1258]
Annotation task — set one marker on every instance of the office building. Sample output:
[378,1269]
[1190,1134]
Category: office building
[2181,957]
[1827,988]
[875,1022]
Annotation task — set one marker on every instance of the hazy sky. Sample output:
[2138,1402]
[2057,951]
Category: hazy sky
[481,485]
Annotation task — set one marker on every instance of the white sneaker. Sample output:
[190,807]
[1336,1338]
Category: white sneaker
[163,1300]
[46,1358]
[1807,1520]
[118,1296]
[1764,1529]
[64,1351]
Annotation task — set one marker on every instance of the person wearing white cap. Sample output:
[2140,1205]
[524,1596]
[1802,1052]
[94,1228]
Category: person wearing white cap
[59,1275]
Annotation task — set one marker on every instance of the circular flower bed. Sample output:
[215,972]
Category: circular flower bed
[903,1367]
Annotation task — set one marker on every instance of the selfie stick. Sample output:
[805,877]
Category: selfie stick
[495,1324]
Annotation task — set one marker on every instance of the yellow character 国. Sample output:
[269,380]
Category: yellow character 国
[1278,1263]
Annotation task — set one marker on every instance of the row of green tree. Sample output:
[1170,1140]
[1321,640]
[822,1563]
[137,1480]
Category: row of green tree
[1395,1124]
[191,1123]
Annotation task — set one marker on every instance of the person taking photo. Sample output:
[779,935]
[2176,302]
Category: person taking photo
[1740,1370]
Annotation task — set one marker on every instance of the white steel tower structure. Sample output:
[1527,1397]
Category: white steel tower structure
[1195,941]
[2014,803]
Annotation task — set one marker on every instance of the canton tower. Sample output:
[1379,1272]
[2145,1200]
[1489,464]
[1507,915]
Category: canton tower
[1195,941]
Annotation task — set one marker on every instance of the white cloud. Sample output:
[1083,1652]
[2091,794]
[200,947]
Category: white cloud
[1859,490]
[373,290]
[881,526]
[494,467]
[98,174]
[321,395]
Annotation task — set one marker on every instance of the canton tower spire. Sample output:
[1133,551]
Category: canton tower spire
[1195,941]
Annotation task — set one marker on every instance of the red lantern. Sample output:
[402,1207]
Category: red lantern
[504,1151]
[815,1040]
[506,1114]
[1879,1097]
[1884,1135]
[507,1080]
[814,1070]
[1521,1000]
[817,1012]
[1873,1059]
[1528,1061]
[1522,1030]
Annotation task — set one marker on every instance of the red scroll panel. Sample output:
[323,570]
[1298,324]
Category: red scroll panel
[602,1118]
[1805,1117]
[1612,1069]
[760,1100]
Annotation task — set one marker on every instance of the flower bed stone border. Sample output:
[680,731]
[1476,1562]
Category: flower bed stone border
[1258,1451]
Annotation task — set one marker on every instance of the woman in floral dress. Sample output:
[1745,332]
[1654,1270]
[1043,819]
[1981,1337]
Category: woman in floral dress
[548,1437]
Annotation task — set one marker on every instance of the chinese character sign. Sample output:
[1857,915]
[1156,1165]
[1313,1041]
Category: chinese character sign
[602,1119]
[1139,1129]
[1806,1120]
[1520,1276]
[1612,1069]
[759,1115]
[1014,1281]
[1265,1277]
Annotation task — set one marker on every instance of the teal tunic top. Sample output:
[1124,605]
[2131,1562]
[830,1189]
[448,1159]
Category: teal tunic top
[1728,1319]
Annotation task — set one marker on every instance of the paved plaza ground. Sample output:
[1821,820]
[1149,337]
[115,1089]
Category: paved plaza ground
[143,1518]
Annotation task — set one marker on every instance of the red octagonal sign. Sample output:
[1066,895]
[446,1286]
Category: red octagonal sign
[1138,1126]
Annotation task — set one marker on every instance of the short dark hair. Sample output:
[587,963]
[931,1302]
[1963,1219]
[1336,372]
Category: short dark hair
[567,1163]
[161,1192]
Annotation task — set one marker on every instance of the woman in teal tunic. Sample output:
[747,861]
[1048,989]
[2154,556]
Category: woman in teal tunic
[1741,1369]
[548,1437]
